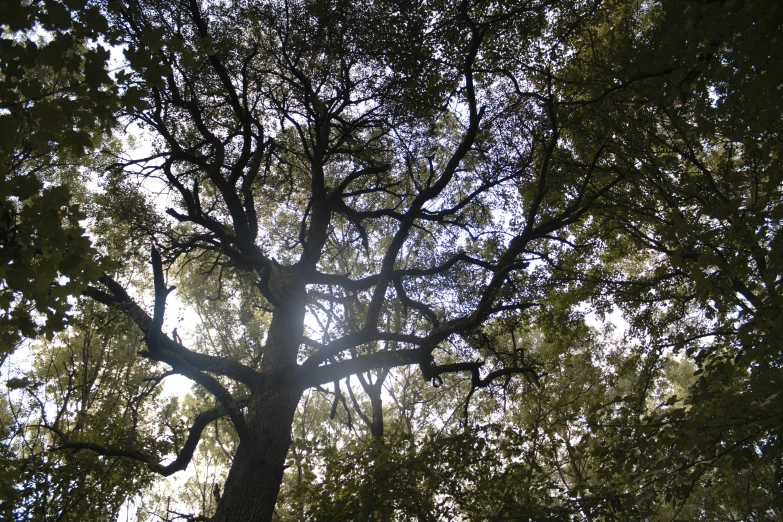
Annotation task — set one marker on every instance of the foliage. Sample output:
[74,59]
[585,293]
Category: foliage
[57,104]
[86,384]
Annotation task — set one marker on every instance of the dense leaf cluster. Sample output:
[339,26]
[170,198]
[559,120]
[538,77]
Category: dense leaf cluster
[57,103]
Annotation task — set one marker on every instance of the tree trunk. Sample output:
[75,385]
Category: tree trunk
[252,485]
[254,480]
[377,412]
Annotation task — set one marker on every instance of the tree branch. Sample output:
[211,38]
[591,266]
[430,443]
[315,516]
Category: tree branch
[219,365]
[180,463]
[314,376]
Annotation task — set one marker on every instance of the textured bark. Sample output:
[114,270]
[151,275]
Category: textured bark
[252,485]
[254,480]
[377,413]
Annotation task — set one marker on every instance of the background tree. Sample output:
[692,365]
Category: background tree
[87,384]
[705,211]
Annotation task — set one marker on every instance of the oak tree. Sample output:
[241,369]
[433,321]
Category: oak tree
[381,185]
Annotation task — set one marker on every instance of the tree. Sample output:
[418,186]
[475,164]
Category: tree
[378,185]
[85,385]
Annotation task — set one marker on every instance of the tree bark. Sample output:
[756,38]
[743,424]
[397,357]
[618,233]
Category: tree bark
[253,483]
[254,480]
[377,413]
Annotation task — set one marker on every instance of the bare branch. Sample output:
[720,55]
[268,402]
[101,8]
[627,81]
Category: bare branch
[311,377]
[184,457]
